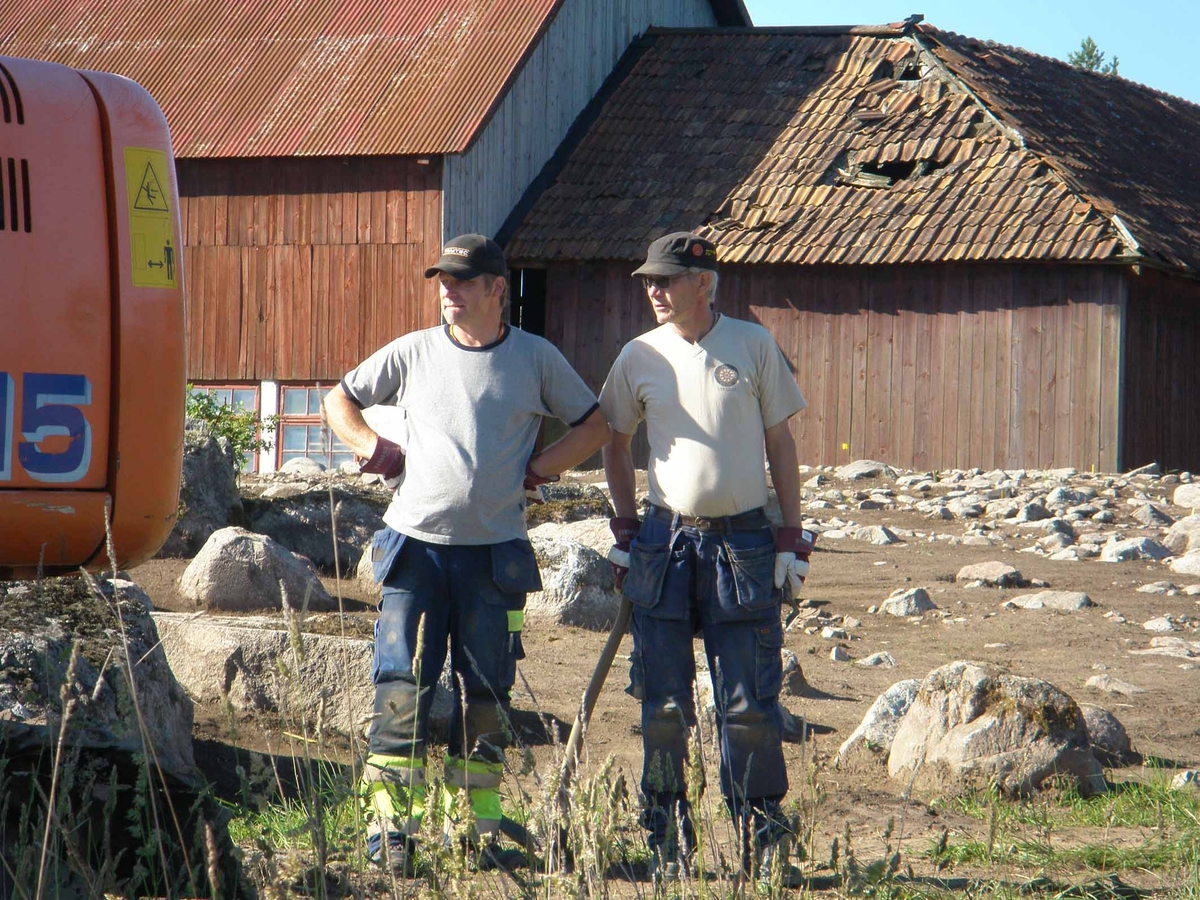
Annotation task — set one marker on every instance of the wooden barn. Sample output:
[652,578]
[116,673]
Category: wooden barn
[971,255]
[325,148]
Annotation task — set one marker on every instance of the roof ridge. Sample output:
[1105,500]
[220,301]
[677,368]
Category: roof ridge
[799,30]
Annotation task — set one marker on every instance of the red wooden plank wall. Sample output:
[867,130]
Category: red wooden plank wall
[925,367]
[296,269]
[1162,372]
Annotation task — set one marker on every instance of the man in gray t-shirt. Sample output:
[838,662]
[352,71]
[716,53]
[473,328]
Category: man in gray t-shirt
[454,559]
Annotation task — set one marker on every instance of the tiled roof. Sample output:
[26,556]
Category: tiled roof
[866,146]
[284,78]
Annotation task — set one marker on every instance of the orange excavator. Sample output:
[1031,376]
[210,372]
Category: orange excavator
[91,321]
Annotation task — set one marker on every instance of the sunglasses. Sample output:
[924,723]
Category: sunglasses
[662,282]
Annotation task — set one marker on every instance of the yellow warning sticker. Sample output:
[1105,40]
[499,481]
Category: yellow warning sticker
[151,234]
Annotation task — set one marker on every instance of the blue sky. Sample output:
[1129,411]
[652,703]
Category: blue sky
[1155,40]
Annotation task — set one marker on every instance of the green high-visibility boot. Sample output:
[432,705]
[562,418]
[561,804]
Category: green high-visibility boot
[481,780]
[392,792]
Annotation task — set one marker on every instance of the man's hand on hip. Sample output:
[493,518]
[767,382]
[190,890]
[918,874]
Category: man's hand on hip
[793,546]
[624,530]
[386,460]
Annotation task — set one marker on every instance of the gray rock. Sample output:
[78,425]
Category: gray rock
[237,570]
[1151,516]
[880,660]
[1188,778]
[577,585]
[1157,587]
[304,523]
[878,535]
[364,575]
[302,466]
[992,574]
[1148,469]
[1184,535]
[593,533]
[1160,625]
[878,727]
[1187,496]
[286,490]
[1110,742]
[1110,685]
[1065,601]
[1033,512]
[865,468]
[1063,497]
[965,508]
[1133,548]
[208,495]
[910,602]
[974,725]
[838,654]
[1188,564]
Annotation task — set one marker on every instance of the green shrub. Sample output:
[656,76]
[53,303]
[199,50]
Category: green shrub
[241,427]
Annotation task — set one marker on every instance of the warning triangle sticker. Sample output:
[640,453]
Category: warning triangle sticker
[150,195]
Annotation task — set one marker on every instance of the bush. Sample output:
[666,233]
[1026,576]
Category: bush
[241,427]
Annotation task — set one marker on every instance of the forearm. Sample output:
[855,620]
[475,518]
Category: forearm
[574,447]
[619,472]
[347,422]
[785,473]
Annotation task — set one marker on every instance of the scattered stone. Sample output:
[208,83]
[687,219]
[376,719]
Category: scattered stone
[907,602]
[992,574]
[1160,625]
[878,535]
[1188,564]
[838,654]
[831,633]
[882,660]
[851,622]
[1187,496]
[865,468]
[974,725]
[1104,517]
[794,681]
[1133,548]
[1184,535]
[1032,512]
[1169,646]
[1065,601]
[1148,469]
[996,646]
[878,727]
[1110,685]
[1188,778]
[285,490]
[965,508]
[302,466]
[1152,517]
[239,571]
[1157,587]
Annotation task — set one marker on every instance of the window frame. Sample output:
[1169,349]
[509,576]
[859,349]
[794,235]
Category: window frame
[209,387]
[306,420]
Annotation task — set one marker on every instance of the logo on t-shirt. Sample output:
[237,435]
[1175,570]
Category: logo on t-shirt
[726,375]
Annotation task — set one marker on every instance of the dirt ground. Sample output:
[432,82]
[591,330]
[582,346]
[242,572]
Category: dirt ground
[848,577]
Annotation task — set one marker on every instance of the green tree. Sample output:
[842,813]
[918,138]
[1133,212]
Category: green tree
[1091,57]
[241,427]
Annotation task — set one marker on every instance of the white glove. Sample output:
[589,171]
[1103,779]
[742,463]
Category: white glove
[791,570]
[618,557]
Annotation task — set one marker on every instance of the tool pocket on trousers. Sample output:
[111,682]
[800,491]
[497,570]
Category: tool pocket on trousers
[647,569]
[746,577]
[385,548]
[768,662]
[515,569]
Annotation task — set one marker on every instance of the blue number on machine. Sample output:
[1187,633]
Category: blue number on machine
[50,407]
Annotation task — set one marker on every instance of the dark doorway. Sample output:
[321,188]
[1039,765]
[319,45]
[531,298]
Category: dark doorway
[529,300]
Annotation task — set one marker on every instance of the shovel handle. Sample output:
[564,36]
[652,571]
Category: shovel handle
[603,664]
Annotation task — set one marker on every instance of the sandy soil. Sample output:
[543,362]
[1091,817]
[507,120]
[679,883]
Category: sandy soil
[849,576]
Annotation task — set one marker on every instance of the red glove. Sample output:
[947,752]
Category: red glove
[793,546]
[387,460]
[624,530]
[534,482]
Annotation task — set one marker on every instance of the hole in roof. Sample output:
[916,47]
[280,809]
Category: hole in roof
[910,72]
[884,69]
[881,175]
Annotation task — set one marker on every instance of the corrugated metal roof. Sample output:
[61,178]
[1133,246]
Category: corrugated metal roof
[296,77]
[871,146]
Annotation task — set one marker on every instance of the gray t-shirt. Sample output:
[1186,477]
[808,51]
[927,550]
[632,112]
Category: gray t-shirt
[472,417]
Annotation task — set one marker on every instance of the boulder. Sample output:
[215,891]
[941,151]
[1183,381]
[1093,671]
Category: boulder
[879,535]
[1133,548]
[1151,516]
[593,533]
[566,502]
[992,574]
[239,571]
[910,602]
[304,525]
[1183,536]
[1109,685]
[1110,742]
[208,494]
[303,467]
[880,660]
[364,574]
[878,727]
[1188,564]
[1033,512]
[578,587]
[1066,601]
[1187,496]
[975,725]
[865,468]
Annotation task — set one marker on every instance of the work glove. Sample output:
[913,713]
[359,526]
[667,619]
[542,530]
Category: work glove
[792,549]
[624,530]
[387,460]
[534,482]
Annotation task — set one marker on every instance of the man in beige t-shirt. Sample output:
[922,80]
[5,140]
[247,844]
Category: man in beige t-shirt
[715,392]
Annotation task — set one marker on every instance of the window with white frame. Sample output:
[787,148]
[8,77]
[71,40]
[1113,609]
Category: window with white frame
[301,433]
[243,397]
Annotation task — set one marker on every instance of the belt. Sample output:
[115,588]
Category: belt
[743,521]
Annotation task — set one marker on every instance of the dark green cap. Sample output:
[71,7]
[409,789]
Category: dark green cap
[468,256]
[674,254]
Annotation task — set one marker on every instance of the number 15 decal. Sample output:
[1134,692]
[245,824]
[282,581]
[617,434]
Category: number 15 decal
[49,408]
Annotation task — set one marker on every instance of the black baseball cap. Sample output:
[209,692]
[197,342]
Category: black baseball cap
[674,254]
[468,256]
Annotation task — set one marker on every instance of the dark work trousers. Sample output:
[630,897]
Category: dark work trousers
[715,579]
[470,597]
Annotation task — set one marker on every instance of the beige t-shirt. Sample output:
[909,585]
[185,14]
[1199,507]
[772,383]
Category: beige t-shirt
[706,407]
